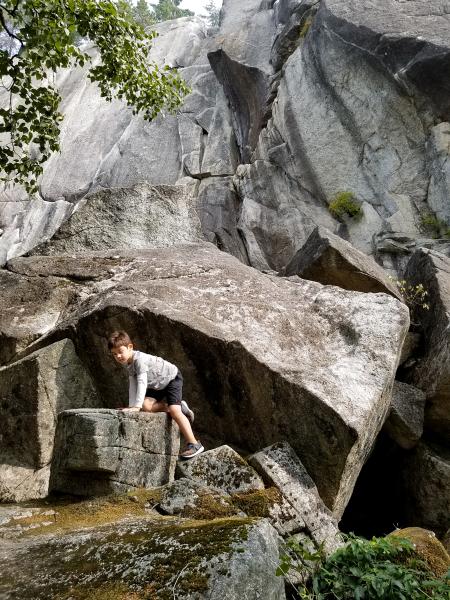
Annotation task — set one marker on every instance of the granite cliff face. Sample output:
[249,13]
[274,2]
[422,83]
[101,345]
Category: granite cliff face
[292,101]
[208,235]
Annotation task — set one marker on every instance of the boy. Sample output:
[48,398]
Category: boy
[155,385]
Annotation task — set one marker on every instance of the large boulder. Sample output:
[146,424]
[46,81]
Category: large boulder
[330,260]
[263,358]
[426,480]
[143,216]
[217,560]
[33,391]
[432,374]
[405,421]
[103,451]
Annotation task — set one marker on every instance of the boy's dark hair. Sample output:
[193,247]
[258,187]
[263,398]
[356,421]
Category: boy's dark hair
[118,338]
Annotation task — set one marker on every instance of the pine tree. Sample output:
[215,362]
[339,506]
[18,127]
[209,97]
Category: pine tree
[168,9]
[143,15]
[212,13]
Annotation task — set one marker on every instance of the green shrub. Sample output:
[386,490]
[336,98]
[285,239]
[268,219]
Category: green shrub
[377,569]
[345,204]
[438,227]
[415,296]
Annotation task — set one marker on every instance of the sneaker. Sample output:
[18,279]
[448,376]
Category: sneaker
[187,411]
[192,450]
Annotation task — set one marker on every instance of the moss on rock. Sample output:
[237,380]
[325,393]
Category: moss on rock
[64,514]
[427,547]
[258,503]
[132,560]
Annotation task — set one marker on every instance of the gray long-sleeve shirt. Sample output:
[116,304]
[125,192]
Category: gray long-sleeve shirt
[148,371]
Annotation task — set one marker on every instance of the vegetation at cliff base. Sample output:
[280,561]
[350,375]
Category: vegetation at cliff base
[37,39]
[378,569]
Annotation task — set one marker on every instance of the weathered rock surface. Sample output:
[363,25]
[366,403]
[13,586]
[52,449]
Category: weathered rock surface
[184,494]
[380,134]
[280,466]
[426,479]
[439,154]
[103,451]
[330,260]
[221,468]
[31,306]
[432,374]
[228,559]
[33,391]
[144,216]
[263,358]
[366,134]
[405,422]
[103,146]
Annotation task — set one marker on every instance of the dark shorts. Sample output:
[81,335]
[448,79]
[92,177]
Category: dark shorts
[172,393]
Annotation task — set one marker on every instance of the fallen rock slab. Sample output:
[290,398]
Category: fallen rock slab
[104,451]
[220,560]
[33,391]
[432,374]
[405,422]
[280,466]
[223,469]
[330,260]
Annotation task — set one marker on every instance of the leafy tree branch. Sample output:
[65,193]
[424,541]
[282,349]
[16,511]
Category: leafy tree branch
[44,33]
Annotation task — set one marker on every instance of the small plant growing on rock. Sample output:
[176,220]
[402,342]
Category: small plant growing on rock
[378,569]
[306,25]
[436,226]
[345,204]
[415,296]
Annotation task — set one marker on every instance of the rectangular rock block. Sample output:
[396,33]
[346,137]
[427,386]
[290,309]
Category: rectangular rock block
[103,451]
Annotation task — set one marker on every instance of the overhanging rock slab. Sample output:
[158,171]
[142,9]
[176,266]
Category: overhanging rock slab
[263,358]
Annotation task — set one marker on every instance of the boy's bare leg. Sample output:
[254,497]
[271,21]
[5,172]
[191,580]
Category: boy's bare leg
[153,406]
[183,423]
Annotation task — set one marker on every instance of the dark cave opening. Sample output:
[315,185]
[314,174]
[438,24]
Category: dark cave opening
[377,505]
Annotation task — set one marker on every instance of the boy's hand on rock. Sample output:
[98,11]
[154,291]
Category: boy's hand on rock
[130,409]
